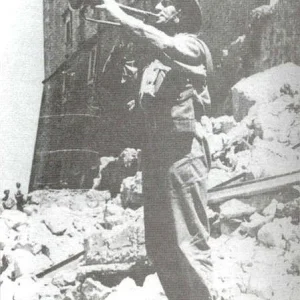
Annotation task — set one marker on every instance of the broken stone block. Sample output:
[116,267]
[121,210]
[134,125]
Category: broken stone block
[217,142]
[206,123]
[63,247]
[256,222]
[26,288]
[129,290]
[292,209]
[72,295]
[228,226]
[267,88]
[126,284]
[153,285]
[293,256]
[49,292]
[113,215]
[260,284]
[57,220]
[4,234]
[277,158]
[277,120]
[271,235]
[290,232]
[64,278]
[216,177]
[122,244]
[223,124]
[234,208]
[7,289]
[14,218]
[270,210]
[30,210]
[92,289]
[132,191]
[279,210]
[24,262]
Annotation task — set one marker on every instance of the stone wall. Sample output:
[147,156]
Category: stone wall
[55,47]
[280,35]
[246,37]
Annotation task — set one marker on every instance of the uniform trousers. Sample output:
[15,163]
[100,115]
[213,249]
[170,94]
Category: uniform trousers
[176,223]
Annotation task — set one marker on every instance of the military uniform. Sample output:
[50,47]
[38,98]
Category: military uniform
[174,96]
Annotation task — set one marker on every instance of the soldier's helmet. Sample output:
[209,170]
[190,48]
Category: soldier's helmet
[192,14]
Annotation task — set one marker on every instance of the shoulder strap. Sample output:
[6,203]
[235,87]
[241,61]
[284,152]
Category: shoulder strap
[209,62]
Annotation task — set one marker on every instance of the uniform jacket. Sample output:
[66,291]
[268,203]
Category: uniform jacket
[173,94]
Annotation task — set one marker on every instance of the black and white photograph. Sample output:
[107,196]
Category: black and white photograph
[150,150]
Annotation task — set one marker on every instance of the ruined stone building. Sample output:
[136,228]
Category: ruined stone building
[91,70]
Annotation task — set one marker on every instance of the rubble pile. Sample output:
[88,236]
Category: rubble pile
[260,247]
[255,244]
[261,250]
[262,137]
[57,225]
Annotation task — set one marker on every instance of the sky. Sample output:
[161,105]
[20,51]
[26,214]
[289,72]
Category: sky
[21,75]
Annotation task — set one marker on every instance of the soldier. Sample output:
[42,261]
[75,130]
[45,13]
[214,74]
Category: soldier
[19,197]
[8,202]
[174,96]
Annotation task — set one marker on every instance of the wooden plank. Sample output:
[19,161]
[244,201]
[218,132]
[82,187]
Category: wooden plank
[60,265]
[253,187]
[225,183]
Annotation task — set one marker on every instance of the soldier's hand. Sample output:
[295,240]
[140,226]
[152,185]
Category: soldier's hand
[108,4]
[130,105]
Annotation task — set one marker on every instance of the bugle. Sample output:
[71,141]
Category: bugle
[81,4]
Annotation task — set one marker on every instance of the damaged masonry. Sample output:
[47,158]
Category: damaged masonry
[80,235]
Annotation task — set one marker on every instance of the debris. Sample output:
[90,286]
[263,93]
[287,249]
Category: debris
[131,191]
[267,88]
[122,244]
[223,124]
[271,209]
[14,218]
[26,288]
[92,289]
[228,226]
[234,208]
[64,278]
[271,235]
[257,221]
[57,226]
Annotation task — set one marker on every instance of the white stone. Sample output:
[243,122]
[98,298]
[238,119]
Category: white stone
[7,288]
[58,219]
[223,124]
[24,262]
[64,278]
[126,284]
[263,87]
[132,191]
[235,209]
[152,285]
[92,289]
[49,292]
[26,289]
[14,218]
[4,234]
[270,210]
[271,235]
[257,221]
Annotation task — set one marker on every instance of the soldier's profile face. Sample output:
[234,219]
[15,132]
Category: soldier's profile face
[166,10]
